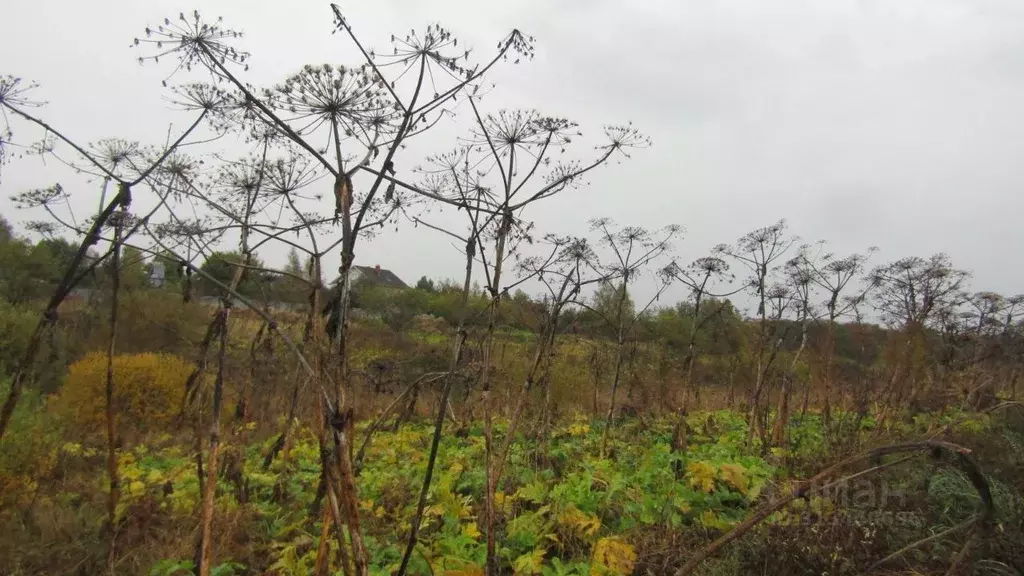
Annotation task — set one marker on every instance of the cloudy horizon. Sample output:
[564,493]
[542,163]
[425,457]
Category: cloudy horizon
[861,122]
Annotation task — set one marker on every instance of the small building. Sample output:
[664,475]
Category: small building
[360,275]
[375,276]
[157,274]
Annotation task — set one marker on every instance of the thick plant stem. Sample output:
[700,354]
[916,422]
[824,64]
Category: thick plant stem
[322,564]
[619,343]
[329,483]
[782,412]
[210,489]
[755,396]
[112,472]
[453,366]
[345,486]
[342,488]
[223,314]
[485,385]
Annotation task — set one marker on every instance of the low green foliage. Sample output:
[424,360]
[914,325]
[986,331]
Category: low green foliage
[561,509]
[556,519]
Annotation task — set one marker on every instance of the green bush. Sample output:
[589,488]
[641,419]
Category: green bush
[16,326]
[17,323]
[28,450]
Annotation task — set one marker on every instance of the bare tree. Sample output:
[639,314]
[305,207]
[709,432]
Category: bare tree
[701,277]
[909,293]
[832,275]
[799,282]
[365,115]
[564,278]
[450,176]
[515,149]
[759,251]
[633,249]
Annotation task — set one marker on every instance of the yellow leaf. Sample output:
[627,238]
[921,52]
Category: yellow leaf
[467,570]
[754,491]
[503,502]
[579,522]
[470,530]
[735,475]
[709,519]
[529,563]
[613,556]
[702,476]
[72,448]
[578,429]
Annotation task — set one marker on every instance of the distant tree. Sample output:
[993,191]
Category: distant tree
[133,269]
[609,301]
[221,266]
[60,252]
[28,271]
[288,287]
[426,285]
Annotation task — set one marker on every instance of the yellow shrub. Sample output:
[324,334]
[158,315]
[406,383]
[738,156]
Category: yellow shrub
[613,556]
[702,476]
[148,389]
[735,475]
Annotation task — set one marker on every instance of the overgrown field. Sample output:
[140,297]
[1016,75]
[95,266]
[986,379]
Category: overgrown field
[176,399]
[561,508]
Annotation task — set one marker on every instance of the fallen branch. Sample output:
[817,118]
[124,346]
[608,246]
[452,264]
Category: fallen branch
[965,551]
[915,545]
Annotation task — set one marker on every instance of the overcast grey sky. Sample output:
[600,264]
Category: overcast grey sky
[895,123]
